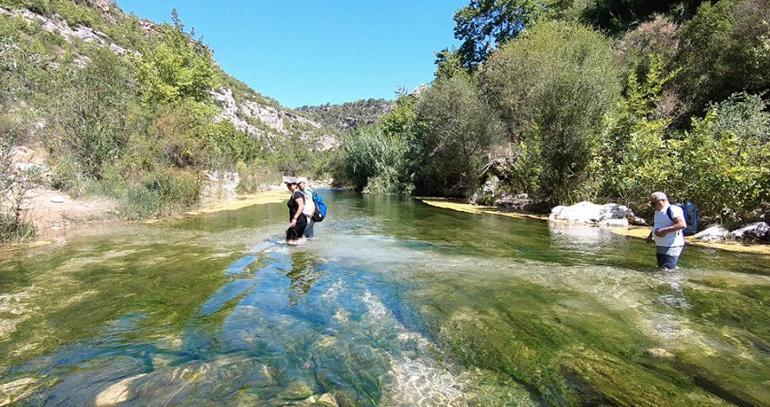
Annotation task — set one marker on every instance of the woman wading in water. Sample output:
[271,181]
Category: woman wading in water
[296,231]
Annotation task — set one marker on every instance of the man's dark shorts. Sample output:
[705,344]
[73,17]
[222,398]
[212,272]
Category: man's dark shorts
[668,257]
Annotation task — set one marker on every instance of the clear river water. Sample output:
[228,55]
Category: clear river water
[395,303]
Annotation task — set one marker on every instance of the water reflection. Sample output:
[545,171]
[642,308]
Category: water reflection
[303,273]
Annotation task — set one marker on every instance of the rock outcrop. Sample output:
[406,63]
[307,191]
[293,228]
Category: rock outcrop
[714,233]
[248,115]
[758,231]
[57,25]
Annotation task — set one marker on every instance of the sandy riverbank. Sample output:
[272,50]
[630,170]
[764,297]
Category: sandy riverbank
[632,231]
[59,216]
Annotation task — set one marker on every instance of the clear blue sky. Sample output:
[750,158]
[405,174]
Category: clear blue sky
[316,51]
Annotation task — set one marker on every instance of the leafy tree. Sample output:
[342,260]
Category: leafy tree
[484,25]
[724,49]
[618,16]
[455,126]
[448,64]
[553,86]
[177,66]
[400,118]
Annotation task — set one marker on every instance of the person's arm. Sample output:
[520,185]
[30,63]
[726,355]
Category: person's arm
[678,225]
[649,237]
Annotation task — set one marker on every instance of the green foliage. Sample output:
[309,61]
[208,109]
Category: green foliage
[726,160]
[483,25]
[448,64]
[160,192]
[369,153]
[177,66]
[454,129]
[634,157]
[618,16]
[553,86]
[725,49]
[14,186]
[89,111]
[400,118]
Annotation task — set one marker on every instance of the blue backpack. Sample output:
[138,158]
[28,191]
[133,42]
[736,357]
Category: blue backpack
[690,217]
[320,208]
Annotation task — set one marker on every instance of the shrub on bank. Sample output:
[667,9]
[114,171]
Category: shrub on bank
[158,193]
[553,86]
[726,160]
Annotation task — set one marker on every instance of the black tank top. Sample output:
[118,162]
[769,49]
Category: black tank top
[293,206]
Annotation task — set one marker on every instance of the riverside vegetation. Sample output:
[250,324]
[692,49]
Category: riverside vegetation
[123,108]
[586,100]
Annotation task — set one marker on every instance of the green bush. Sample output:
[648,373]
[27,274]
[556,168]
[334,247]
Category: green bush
[453,131]
[725,161]
[89,112]
[177,66]
[634,156]
[369,153]
[160,192]
[553,86]
[13,189]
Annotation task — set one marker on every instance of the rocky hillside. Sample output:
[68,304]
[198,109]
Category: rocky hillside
[248,111]
[348,116]
[138,112]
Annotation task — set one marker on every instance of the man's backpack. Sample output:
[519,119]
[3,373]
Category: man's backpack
[690,217]
[320,208]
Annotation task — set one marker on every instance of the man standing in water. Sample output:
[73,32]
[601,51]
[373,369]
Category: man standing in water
[309,206]
[667,231]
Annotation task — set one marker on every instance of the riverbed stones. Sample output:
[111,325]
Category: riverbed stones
[589,213]
[296,391]
[116,393]
[659,353]
[16,390]
[327,400]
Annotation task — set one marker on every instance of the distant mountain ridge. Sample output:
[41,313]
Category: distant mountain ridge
[350,115]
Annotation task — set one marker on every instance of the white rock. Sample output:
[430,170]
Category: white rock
[592,214]
[57,199]
[757,230]
[713,233]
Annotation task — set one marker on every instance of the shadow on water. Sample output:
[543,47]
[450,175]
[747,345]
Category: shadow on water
[394,303]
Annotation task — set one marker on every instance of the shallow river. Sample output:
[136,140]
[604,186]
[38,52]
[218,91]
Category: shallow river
[395,303]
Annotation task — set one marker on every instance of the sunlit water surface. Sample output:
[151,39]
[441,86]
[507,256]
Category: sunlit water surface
[394,303]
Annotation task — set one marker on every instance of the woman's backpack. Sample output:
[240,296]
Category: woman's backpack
[320,208]
[310,207]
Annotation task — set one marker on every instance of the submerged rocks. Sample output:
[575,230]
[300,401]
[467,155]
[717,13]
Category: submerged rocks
[611,215]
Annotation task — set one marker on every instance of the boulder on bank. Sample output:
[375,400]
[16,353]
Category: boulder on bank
[589,213]
[714,233]
[755,231]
